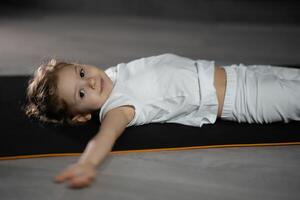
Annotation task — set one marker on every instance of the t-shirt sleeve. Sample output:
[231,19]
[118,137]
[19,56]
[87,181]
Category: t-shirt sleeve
[111,72]
[118,101]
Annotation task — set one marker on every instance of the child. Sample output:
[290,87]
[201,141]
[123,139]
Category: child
[164,88]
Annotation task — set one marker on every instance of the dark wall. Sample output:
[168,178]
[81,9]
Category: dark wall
[264,11]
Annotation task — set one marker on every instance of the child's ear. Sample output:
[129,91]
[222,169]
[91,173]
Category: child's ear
[81,118]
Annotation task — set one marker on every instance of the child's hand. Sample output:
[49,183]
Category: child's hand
[77,175]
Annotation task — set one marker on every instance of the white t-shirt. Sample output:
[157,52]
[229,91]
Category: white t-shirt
[164,88]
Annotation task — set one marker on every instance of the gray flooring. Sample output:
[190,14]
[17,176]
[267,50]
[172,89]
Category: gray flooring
[105,41]
[232,173]
[235,173]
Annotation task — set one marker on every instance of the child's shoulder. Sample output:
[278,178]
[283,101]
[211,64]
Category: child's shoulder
[165,55]
[157,57]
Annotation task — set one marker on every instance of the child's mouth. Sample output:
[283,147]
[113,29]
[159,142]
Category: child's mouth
[101,85]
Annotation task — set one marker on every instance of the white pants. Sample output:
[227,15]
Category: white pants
[261,94]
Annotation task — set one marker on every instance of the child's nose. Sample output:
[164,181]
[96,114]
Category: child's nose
[92,82]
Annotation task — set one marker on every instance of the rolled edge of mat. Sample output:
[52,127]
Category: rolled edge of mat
[154,150]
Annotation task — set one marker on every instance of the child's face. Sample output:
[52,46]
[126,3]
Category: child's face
[85,88]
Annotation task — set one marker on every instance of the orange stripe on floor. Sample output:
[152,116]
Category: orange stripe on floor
[154,150]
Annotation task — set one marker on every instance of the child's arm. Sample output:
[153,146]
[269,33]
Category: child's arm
[83,172]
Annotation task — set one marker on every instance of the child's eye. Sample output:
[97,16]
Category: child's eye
[81,73]
[81,93]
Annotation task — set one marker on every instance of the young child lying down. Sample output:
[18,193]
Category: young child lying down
[164,88]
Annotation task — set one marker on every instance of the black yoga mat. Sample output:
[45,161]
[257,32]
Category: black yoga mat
[21,136]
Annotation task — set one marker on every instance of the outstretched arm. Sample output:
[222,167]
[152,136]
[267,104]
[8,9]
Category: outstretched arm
[83,172]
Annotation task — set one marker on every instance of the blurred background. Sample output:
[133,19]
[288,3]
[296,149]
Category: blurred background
[104,33]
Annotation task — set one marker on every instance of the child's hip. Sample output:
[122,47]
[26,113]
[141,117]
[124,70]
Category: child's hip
[220,85]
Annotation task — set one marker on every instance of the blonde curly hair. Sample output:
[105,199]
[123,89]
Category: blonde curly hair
[42,101]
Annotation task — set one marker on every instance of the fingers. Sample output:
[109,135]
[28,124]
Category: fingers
[65,175]
[76,177]
[80,182]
